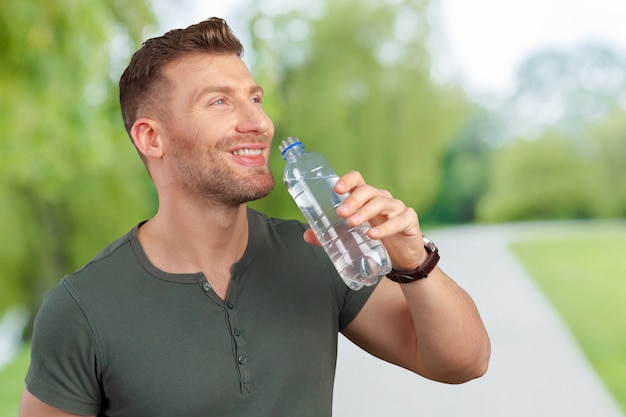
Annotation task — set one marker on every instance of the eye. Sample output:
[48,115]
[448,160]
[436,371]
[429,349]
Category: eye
[219,101]
[257,99]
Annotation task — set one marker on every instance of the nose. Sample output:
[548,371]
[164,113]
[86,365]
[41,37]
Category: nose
[252,118]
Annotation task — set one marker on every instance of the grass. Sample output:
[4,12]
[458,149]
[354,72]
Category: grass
[582,271]
[12,383]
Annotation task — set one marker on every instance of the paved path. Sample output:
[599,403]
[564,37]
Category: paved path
[536,370]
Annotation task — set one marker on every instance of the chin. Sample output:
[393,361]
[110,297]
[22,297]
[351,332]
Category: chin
[264,191]
[255,189]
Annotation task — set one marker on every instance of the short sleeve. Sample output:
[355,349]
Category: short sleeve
[349,302]
[353,302]
[64,370]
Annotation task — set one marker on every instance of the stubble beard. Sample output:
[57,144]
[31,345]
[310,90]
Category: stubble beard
[209,179]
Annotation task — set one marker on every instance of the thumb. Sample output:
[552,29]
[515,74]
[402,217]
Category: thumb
[310,237]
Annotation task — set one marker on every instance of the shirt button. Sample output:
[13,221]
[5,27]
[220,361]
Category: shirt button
[237,331]
[242,359]
[230,305]
[206,286]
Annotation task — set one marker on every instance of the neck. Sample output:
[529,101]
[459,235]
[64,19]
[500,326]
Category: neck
[187,238]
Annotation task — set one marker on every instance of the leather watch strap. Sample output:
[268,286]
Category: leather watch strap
[422,271]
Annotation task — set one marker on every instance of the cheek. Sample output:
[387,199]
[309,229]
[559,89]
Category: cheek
[194,138]
[270,130]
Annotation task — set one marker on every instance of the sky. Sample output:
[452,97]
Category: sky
[488,39]
[485,40]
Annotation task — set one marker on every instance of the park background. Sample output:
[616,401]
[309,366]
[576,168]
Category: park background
[378,86]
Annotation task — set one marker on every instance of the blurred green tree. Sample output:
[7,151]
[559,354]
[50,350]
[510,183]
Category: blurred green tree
[605,147]
[553,149]
[466,170]
[69,183]
[353,80]
[536,180]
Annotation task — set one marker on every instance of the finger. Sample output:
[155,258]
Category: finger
[348,182]
[404,223]
[372,199]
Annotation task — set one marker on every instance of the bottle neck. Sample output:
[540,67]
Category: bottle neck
[293,152]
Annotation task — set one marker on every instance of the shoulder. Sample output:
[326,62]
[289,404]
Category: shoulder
[279,235]
[281,245]
[114,253]
[283,241]
[98,283]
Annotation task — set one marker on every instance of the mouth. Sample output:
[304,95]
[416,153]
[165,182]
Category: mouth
[247,152]
[250,155]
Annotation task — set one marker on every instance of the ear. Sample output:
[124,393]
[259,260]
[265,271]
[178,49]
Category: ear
[147,138]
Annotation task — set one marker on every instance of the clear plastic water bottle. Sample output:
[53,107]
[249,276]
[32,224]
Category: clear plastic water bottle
[310,179]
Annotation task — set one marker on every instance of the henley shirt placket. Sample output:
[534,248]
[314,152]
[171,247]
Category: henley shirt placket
[237,338]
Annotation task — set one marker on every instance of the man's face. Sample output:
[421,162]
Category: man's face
[218,136]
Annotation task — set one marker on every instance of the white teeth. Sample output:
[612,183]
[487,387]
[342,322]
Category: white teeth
[247,152]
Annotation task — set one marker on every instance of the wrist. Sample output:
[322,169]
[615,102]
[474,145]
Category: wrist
[424,268]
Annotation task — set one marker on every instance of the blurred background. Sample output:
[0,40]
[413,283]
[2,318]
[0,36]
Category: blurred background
[471,112]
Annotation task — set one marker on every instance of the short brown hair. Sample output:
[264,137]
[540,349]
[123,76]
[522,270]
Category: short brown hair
[140,81]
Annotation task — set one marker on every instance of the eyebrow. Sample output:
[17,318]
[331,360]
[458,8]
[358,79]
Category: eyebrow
[255,89]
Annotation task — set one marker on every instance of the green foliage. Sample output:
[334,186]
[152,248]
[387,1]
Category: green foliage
[606,148]
[560,177]
[70,179]
[554,149]
[466,171]
[12,382]
[536,179]
[582,272]
[354,84]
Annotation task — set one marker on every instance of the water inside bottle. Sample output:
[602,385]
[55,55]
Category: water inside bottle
[358,259]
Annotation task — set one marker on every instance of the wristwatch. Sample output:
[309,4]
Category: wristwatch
[422,271]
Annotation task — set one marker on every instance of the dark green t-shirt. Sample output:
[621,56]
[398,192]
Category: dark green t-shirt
[122,338]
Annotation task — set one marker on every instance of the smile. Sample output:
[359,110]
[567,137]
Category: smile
[247,152]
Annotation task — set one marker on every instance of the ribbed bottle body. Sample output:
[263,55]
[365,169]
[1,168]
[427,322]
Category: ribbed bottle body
[310,179]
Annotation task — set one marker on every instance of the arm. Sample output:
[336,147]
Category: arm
[30,406]
[430,326]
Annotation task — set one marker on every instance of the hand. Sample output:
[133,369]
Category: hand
[395,224]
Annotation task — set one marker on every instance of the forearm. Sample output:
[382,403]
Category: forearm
[452,344]
[430,326]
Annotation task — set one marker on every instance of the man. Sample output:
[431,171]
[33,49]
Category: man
[212,309]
